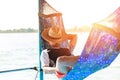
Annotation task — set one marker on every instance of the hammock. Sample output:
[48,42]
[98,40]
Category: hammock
[102,46]
[113,20]
[48,17]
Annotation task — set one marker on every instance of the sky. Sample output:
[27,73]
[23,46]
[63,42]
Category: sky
[84,12]
[18,14]
[24,13]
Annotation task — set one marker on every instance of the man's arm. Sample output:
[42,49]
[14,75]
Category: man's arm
[44,58]
[49,70]
[45,62]
[72,41]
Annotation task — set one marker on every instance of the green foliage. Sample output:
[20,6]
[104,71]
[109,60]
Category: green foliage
[21,30]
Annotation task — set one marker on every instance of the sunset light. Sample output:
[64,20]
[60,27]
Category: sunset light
[95,25]
[84,12]
[59,39]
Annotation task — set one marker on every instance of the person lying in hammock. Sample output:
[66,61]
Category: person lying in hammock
[99,52]
[55,36]
[107,51]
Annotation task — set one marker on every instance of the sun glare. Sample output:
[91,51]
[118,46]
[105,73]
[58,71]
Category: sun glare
[77,13]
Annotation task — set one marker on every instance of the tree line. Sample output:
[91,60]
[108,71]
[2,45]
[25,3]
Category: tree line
[21,30]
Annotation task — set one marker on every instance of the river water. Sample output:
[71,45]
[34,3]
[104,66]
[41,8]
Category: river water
[21,50]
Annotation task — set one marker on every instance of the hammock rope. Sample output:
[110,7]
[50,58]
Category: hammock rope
[20,69]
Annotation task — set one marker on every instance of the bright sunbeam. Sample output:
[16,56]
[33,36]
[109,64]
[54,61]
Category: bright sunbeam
[83,12]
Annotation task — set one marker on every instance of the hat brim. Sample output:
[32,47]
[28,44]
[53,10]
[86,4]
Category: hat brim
[49,39]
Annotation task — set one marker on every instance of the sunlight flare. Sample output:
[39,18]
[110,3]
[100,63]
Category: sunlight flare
[84,12]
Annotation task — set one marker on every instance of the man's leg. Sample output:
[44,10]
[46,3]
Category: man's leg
[64,64]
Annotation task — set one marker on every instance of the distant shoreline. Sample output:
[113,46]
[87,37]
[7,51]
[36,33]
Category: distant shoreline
[21,30]
[31,30]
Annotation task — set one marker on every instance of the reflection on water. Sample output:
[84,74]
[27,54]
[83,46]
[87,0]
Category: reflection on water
[18,51]
[22,50]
